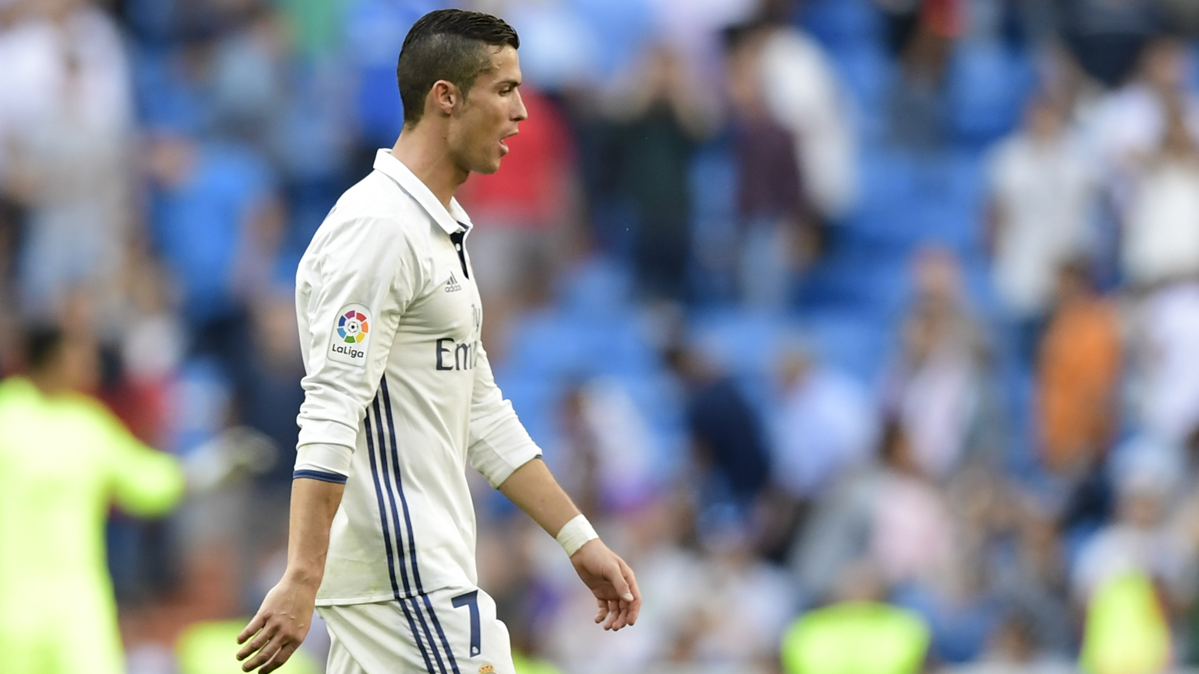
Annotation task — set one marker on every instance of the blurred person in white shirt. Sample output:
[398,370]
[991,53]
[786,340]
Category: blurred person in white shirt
[1165,359]
[937,385]
[65,127]
[826,424]
[1146,473]
[1161,228]
[824,427]
[1130,123]
[1042,191]
[803,94]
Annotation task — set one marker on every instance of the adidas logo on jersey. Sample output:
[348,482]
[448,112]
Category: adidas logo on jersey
[452,285]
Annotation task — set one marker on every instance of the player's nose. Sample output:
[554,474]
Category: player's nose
[520,113]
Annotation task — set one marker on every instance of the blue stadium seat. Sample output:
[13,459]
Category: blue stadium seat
[988,85]
[744,342]
[842,23]
[867,73]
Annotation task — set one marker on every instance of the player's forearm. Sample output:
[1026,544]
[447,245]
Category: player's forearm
[313,505]
[534,490]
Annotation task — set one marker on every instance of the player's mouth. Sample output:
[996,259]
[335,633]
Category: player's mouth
[503,145]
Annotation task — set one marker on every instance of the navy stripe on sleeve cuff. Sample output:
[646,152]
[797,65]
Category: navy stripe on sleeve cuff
[320,475]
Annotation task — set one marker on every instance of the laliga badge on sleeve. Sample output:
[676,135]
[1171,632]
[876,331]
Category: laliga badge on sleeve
[351,335]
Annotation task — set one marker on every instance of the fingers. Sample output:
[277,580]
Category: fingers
[280,657]
[622,620]
[251,629]
[273,654]
[257,643]
[603,611]
[613,613]
[262,657]
[634,606]
[615,574]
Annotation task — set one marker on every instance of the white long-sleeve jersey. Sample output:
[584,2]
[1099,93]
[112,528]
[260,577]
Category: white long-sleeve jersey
[399,395]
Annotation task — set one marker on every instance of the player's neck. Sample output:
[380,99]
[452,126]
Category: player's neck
[423,151]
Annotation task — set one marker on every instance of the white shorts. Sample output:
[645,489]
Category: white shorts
[444,632]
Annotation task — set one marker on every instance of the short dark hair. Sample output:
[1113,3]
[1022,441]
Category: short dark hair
[450,45]
[43,343]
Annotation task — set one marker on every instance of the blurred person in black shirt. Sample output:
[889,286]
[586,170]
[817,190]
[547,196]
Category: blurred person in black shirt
[727,440]
[658,128]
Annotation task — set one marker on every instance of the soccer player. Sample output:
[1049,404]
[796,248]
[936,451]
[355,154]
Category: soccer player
[399,396]
[63,459]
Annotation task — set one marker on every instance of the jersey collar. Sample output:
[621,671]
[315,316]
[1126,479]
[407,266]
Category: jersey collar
[451,221]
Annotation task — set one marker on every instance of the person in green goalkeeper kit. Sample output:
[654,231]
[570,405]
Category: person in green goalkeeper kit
[64,459]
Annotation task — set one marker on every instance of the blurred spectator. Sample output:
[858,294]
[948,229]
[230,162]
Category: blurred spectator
[659,124]
[1015,647]
[65,123]
[606,448]
[921,34]
[1079,369]
[749,601]
[1042,190]
[802,93]
[1142,538]
[1128,126]
[1161,232]
[151,349]
[890,515]
[857,633]
[1025,561]
[906,19]
[1166,362]
[727,440]
[912,532]
[825,426]
[246,75]
[834,535]
[72,65]
[1126,627]
[776,231]
[936,387]
[1107,36]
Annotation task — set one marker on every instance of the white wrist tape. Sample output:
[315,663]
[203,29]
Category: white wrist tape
[574,534]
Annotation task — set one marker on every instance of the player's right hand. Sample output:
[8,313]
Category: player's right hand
[279,627]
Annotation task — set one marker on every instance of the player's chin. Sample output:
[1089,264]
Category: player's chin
[488,167]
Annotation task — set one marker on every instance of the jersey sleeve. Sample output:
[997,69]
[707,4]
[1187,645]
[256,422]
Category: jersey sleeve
[144,482]
[499,443]
[362,280]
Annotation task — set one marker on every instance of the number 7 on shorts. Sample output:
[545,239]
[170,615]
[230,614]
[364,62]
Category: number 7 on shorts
[471,599]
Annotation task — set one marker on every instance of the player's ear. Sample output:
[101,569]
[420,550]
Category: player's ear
[444,97]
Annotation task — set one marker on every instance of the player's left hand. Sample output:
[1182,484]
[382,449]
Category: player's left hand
[611,581]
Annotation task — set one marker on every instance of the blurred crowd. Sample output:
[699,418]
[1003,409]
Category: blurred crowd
[866,330]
